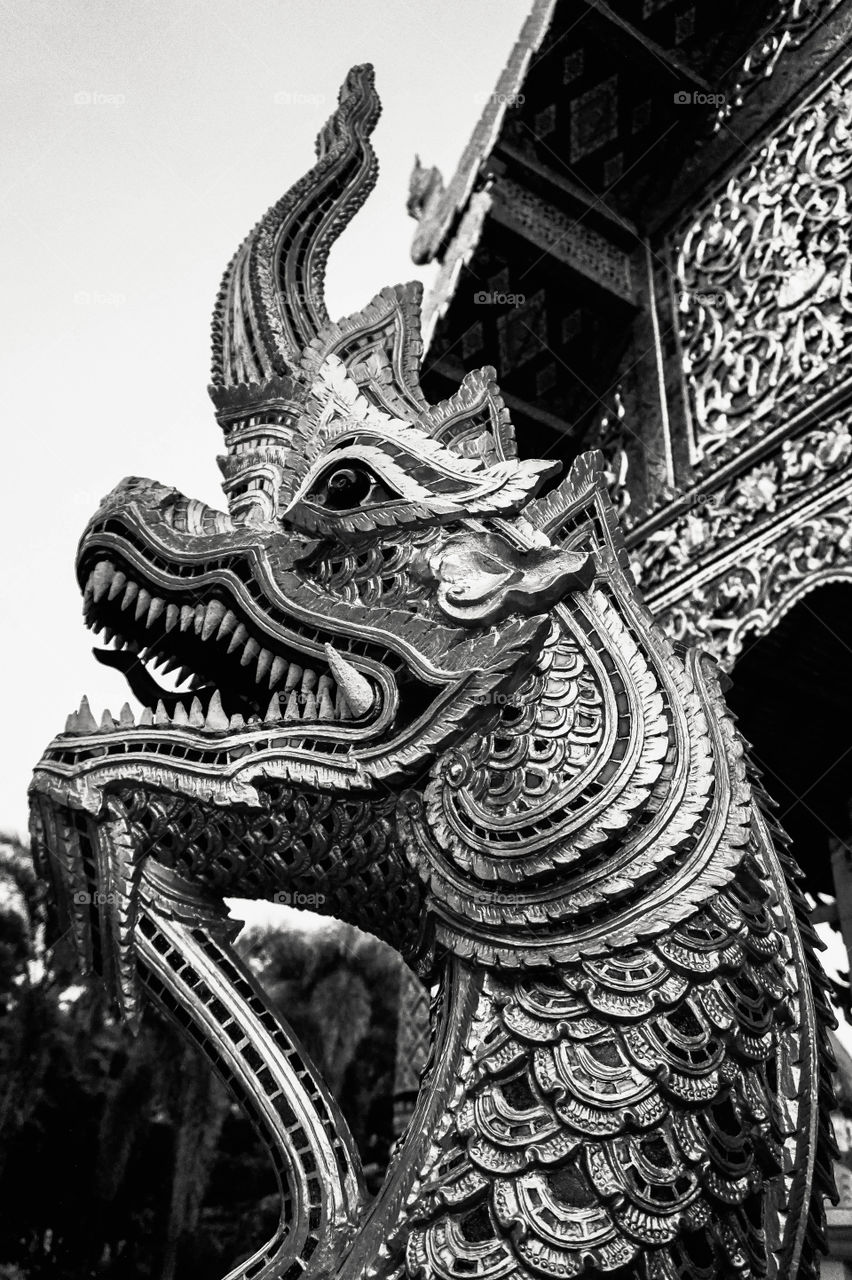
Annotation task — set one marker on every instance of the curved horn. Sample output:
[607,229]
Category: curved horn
[270,305]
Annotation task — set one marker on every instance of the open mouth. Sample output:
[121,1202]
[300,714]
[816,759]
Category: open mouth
[191,660]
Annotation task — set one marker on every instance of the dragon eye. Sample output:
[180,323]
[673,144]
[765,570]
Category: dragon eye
[348,484]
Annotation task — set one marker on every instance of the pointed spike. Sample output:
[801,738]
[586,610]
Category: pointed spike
[107,722]
[196,714]
[309,710]
[294,677]
[180,714]
[161,715]
[273,711]
[359,692]
[326,685]
[172,616]
[213,616]
[279,666]
[309,679]
[291,711]
[72,723]
[325,708]
[102,577]
[236,722]
[264,662]
[118,584]
[227,625]
[238,638]
[126,718]
[146,718]
[216,718]
[252,647]
[198,620]
[86,722]
[143,601]
[187,614]
[156,609]
[131,591]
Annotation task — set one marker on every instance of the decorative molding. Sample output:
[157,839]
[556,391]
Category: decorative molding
[793,23]
[564,237]
[762,282]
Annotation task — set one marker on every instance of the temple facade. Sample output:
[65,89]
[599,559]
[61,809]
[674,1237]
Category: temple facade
[648,234]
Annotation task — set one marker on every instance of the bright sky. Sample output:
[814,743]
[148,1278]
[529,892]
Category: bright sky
[143,140]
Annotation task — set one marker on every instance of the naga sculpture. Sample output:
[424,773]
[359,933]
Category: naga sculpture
[435,704]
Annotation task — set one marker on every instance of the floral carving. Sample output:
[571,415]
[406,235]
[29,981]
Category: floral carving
[765,280]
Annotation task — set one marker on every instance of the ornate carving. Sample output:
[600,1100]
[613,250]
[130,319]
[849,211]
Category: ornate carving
[434,706]
[763,281]
[793,22]
[711,520]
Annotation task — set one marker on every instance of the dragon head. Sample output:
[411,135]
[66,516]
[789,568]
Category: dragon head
[372,594]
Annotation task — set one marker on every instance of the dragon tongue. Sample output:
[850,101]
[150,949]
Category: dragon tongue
[358,692]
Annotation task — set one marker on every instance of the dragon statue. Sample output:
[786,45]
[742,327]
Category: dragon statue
[413,692]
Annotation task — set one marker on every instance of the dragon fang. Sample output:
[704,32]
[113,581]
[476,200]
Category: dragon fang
[415,690]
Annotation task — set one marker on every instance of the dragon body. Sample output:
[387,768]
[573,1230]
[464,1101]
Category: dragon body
[435,705]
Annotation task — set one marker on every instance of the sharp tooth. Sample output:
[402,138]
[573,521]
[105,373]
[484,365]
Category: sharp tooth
[157,607]
[131,591]
[342,709]
[237,638]
[171,665]
[236,722]
[212,618]
[125,717]
[86,722]
[325,709]
[273,711]
[108,634]
[183,674]
[71,724]
[279,666]
[143,601]
[264,662]
[146,718]
[187,613]
[252,647]
[309,679]
[172,615]
[310,706]
[102,577]
[359,693]
[226,626]
[198,620]
[107,722]
[326,685]
[216,718]
[161,715]
[179,715]
[196,714]
[294,677]
[291,711]
[118,584]
[89,592]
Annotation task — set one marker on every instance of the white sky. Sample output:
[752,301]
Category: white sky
[120,213]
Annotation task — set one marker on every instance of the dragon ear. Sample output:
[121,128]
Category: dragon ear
[578,514]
